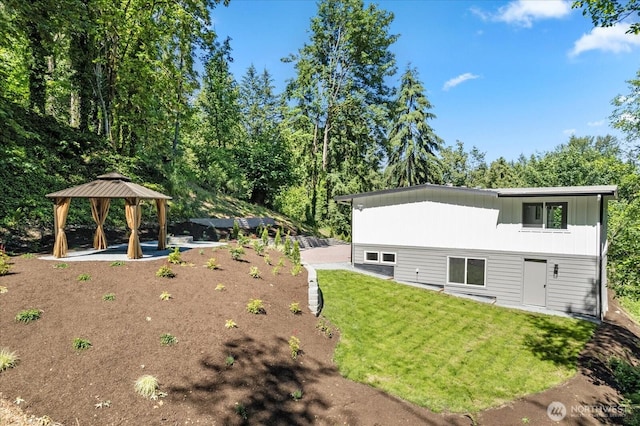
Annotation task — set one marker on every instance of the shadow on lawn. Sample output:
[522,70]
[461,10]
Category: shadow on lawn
[559,342]
[262,379]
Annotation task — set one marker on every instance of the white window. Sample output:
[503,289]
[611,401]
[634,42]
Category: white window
[388,258]
[544,215]
[467,271]
[371,256]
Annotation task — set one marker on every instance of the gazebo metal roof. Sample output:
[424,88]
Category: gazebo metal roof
[110,185]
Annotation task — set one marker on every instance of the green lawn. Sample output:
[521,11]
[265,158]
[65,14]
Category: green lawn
[631,305]
[443,352]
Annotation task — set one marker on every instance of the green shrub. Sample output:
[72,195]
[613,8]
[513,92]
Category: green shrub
[241,411]
[175,257]
[117,263]
[84,277]
[28,315]
[275,270]
[277,240]
[267,259]
[4,264]
[28,256]
[212,263]
[294,346]
[281,262]
[258,246]
[230,324]
[168,339]
[220,287]
[243,240]
[627,378]
[294,307]
[255,306]
[254,272]
[61,265]
[236,252]
[265,236]
[324,328]
[229,361]
[147,386]
[295,253]
[287,245]
[109,297]
[165,295]
[7,359]
[165,272]
[296,269]
[296,395]
[3,289]
[81,344]
[236,230]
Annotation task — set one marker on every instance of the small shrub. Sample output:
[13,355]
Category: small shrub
[81,344]
[296,395]
[230,324]
[28,315]
[294,346]
[296,270]
[281,262]
[277,240]
[255,306]
[243,240]
[236,230]
[287,245]
[61,265]
[324,328]
[258,247]
[254,272]
[84,277]
[147,386]
[241,411]
[236,252]
[294,307]
[265,236]
[165,295]
[7,359]
[4,265]
[168,339]
[212,264]
[267,259]
[201,252]
[117,263]
[109,297]
[175,257]
[295,253]
[220,287]
[28,256]
[275,270]
[165,272]
[3,289]
[229,361]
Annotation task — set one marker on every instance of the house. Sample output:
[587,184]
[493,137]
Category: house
[532,248]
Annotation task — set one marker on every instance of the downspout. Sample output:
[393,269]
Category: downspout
[352,249]
[599,263]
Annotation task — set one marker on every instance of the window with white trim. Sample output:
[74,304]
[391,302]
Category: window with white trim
[388,258]
[544,215]
[467,271]
[371,256]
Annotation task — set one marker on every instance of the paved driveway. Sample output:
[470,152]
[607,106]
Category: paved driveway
[332,254]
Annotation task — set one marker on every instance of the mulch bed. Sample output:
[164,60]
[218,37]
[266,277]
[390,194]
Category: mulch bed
[55,380]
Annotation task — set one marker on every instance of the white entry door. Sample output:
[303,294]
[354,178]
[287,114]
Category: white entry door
[535,282]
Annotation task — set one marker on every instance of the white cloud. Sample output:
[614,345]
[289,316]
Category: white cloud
[609,39]
[569,132]
[595,123]
[524,12]
[458,80]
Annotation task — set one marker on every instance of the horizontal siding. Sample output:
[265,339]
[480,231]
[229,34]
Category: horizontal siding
[573,291]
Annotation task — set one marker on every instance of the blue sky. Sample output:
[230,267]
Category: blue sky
[509,77]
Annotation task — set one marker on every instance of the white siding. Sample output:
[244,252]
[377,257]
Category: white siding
[463,220]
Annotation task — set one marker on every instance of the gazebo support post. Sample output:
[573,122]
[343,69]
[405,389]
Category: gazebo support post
[161,206]
[134,216]
[60,210]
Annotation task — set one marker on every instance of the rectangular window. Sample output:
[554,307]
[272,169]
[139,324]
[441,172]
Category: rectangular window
[388,258]
[556,215]
[469,271]
[371,256]
[544,215]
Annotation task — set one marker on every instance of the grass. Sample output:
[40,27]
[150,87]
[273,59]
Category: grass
[631,306]
[8,359]
[147,386]
[442,352]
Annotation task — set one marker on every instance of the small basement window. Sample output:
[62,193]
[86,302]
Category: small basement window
[371,256]
[467,271]
[388,258]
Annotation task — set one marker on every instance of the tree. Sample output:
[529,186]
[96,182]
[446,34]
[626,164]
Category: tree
[626,113]
[606,13]
[413,141]
[340,86]
[461,168]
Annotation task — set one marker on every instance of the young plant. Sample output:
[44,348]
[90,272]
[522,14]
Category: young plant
[168,339]
[28,315]
[278,238]
[220,287]
[241,411]
[296,395]
[147,386]
[61,265]
[4,264]
[109,297]
[175,257]
[165,272]
[265,236]
[267,259]
[324,328]
[117,263]
[236,252]
[258,246]
[84,277]
[281,262]
[3,289]
[212,264]
[294,346]
[287,245]
[236,230]
[229,361]
[243,240]
[230,324]
[8,359]
[294,307]
[296,269]
[295,253]
[254,272]
[275,270]
[201,252]
[81,344]
[165,295]
[28,256]
[255,306]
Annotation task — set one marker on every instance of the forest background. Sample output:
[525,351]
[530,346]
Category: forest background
[92,86]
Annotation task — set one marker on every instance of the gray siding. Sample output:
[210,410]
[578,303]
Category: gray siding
[573,291]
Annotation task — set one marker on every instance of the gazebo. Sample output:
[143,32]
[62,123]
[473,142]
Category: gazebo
[100,192]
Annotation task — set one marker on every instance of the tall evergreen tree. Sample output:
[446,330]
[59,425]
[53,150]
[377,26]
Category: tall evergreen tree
[412,160]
